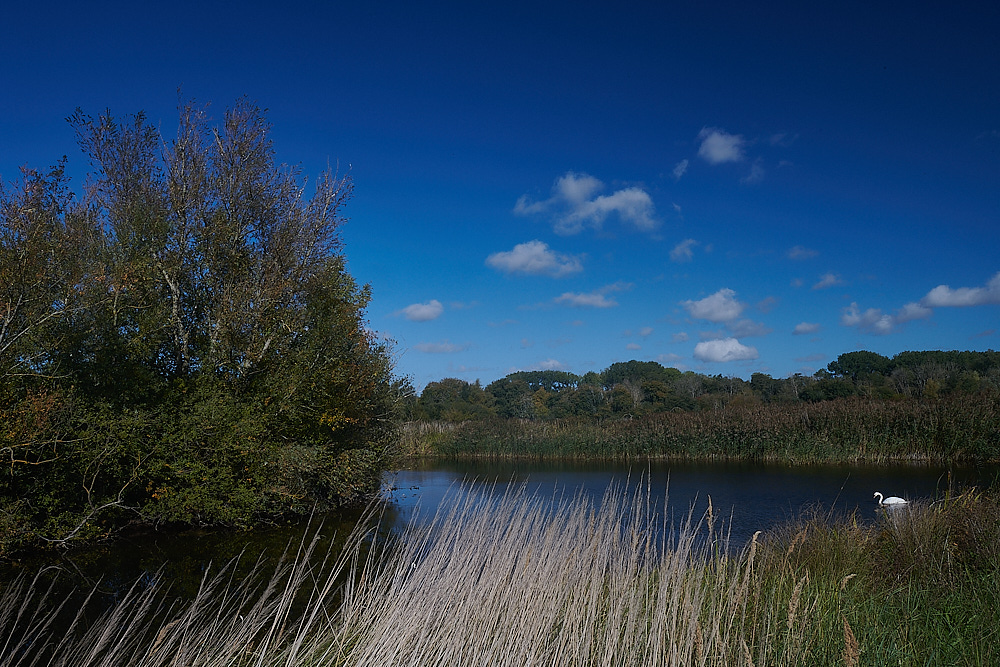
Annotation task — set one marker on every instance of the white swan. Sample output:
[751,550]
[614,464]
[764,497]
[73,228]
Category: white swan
[891,500]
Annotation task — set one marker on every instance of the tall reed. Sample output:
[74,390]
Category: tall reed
[847,430]
[521,580]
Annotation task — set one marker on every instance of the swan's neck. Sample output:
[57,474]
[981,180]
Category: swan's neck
[880,497]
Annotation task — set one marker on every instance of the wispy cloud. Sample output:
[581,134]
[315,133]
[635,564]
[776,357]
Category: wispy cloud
[756,174]
[596,299]
[575,205]
[719,307]
[547,365]
[805,328]
[719,147]
[799,253]
[423,312]
[680,337]
[748,329]
[633,347]
[683,251]
[680,169]
[726,349]
[944,296]
[535,258]
[828,280]
[645,331]
[444,347]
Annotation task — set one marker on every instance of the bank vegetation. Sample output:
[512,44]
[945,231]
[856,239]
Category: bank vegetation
[926,406]
[568,582]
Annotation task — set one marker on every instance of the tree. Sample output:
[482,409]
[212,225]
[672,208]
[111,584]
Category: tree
[184,342]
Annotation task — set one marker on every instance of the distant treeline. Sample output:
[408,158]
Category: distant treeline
[636,388]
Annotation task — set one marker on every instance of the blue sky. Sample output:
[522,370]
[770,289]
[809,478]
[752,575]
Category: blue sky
[720,187]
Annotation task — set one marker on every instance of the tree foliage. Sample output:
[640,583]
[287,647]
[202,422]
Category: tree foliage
[635,388]
[182,342]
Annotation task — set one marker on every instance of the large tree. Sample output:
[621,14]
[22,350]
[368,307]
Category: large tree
[182,341]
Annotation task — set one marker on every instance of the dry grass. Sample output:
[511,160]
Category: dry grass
[522,580]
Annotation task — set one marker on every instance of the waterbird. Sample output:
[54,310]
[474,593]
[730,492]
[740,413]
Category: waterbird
[891,500]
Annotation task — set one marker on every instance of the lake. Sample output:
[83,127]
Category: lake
[747,496]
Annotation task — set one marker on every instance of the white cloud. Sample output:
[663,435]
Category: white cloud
[535,258]
[679,337]
[645,331]
[719,307]
[872,320]
[913,311]
[680,169]
[726,349]
[443,347]
[633,347]
[805,328]
[828,280]
[944,296]
[718,146]
[682,252]
[799,253]
[575,204]
[422,312]
[596,299]
[878,323]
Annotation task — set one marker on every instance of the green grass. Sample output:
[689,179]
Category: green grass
[523,580]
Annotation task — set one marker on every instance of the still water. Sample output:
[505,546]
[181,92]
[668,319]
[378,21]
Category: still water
[748,497]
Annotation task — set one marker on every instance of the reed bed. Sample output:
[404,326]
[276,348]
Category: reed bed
[568,580]
[848,430]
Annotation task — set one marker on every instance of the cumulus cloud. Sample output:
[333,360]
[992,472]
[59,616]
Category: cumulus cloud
[718,146]
[719,307]
[944,296]
[800,252]
[535,258]
[444,347]
[872,320]
[423,312]
[576,204]
[682,252]
[725,349]
[878,323]
[805,328]
[680,169]
[596,299]
[828,280]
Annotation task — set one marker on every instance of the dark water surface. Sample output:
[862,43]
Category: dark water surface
[750,496]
